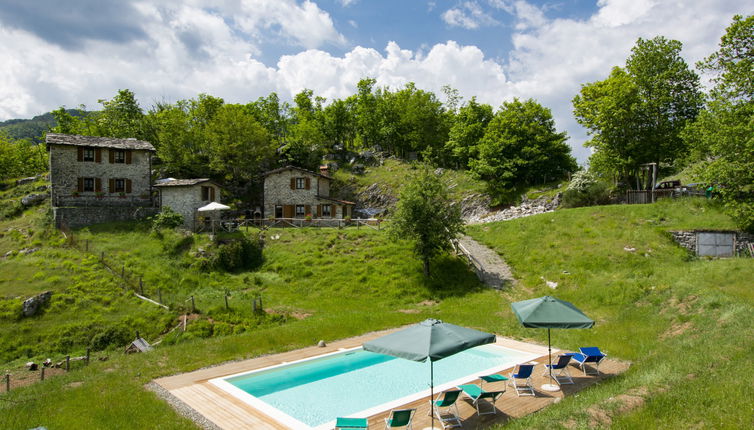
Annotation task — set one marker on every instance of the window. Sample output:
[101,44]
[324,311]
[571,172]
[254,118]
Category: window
[300,211]
[278,211]
[88,184]
[120,186]
[300,183]
[326,210]
[208,194]
[119,156]
[88,154]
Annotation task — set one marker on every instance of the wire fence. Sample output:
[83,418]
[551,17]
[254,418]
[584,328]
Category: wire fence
[168,299]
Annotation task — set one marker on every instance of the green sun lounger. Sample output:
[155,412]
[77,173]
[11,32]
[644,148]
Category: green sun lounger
[445,409]
[351,423]
[476,394]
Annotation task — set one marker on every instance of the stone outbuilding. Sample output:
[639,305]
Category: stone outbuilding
[293,192]
[99,179]
[185,196]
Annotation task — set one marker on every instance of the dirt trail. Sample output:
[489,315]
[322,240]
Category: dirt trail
[491,269]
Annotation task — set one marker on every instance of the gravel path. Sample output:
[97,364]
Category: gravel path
[491,269]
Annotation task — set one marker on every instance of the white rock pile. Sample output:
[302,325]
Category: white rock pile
[526,208]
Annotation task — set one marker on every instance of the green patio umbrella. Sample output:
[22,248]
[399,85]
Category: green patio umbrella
[430,339]
[549,312]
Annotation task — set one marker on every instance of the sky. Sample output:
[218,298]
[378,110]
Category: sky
[77,52]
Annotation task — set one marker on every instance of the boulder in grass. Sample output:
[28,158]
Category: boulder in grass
[32,305]
[33,199]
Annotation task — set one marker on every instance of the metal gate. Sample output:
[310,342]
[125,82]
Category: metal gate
[715,244]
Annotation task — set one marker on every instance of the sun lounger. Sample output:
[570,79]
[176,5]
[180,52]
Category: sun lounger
[562,376]
[521,380]
[400,418]
[588,355]
[476,394]
[351,423]
[445,409]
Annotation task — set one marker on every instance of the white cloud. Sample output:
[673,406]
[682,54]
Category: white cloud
[191,48]
[347,3]
[468,15]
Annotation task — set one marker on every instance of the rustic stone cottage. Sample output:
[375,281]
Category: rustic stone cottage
[99,179]
[293,192]
[185,196]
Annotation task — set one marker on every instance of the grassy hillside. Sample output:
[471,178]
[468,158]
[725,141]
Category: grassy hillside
[393,173]
[683,322]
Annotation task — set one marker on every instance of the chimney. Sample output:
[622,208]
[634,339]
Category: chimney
[324,170]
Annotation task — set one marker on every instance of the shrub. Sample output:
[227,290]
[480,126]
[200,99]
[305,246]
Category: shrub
[166,219]
[111,336]
[597,193]
[237,254]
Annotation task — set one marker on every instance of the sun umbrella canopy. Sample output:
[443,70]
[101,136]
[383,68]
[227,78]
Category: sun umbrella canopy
[549,312]
[431,339]
[214,206]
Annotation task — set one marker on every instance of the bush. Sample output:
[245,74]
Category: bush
[237,254]
[166,219]
[594,194]
[111,336]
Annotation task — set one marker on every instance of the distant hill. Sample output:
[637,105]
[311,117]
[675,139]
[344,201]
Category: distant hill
[32,129]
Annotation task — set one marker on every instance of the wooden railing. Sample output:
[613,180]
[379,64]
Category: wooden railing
[651,196]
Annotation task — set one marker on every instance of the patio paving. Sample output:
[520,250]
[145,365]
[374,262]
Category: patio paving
[195,391]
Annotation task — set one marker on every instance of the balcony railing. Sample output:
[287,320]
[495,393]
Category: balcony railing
[88,200]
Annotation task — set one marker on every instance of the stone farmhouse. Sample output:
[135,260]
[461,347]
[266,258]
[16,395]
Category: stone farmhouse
[185,196]
[293,192]
[99,179]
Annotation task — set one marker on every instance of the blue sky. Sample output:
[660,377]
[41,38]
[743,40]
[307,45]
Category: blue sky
[80,51]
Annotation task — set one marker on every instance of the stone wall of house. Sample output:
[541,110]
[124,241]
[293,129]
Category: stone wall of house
[65,169]
[687,239]
[186,200]
[80,216]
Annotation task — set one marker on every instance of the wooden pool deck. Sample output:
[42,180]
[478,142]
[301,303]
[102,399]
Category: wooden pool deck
[227,412]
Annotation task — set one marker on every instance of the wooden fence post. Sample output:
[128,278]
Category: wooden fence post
[193,306]
[261,308]
[226,300]
[254,305]
[141,286]
[67,363]
[102,256]
[88,352]
[7,382]
[42,374]
[185,317]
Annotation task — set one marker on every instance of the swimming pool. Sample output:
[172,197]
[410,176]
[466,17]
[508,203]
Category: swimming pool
[311,393]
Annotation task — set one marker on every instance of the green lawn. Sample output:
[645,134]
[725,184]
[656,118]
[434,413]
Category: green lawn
[683,322]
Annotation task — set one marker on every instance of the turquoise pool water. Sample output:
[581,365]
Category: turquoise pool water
[316,391]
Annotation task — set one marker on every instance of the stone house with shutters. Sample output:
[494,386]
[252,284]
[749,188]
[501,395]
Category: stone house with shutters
[293,192]
[185,196]
[99,179]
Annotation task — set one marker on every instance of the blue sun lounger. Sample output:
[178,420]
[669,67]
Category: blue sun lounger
[521,380]
[562,376]
[588,355]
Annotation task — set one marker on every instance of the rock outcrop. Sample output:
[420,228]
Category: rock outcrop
[32,305]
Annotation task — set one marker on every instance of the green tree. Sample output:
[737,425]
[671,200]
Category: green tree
[425,214]
[20,157]
[122,117]
[306,143]
[722,137]
[238,144]
[467,130]
[521,147]
[636,115]
[181,134]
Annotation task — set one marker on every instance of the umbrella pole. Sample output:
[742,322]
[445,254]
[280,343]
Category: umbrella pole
[549,351]
[432,392]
